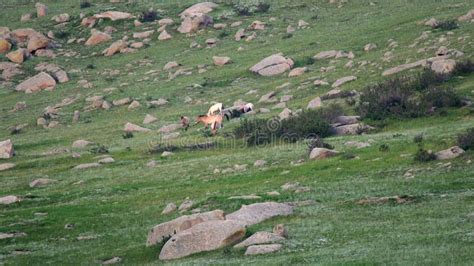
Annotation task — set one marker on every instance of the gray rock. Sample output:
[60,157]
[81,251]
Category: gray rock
[262,249]
[206,236]
[171,207]
[322,153]
[450,153]
[258,212]
[186,205]
[9,199]
[6,166]
[260,238]
[6,149]
[41,182]
[86,166]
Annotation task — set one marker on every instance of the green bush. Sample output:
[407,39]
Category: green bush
[85,4]
[149,16]
[447,25]
[249,7]
[466,139]
[464,67]
[423,155]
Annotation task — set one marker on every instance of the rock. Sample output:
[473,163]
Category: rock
[143,35]
[468,16]
[115,47]
[55,71]
[53,124]
[220,26]
[280,230]
[41,81]
[6,166]
[159,102]
[258,212]
[200,8]
[302,24]
[9,200]
[26,17]
[133,105]
[170,65]
[449,154]
[41,9]
[123,101]
[245,197]
[61,18]
[129,127]
[273,65]
[76,116]
[6,149]
[9,70]
[110,261]
[347,120]
[11,235]
[432,22]
[41,122]
[260,163]
[41,182]
[260,238]
[319,82]
[114,15]
[5,46]
[369,47]
[149,119]
[17,56]
[80,144]
[98,37]
[165,22]
[322,153]
[194,22]
[351,129]
[221,60]
[169,128]
[325,55]
[164,230]
[404,67]
[297,71]
[285,114]
[45,53]
[384,200]
[290,29]
[239,35]
[262,249]
[137,45]
[443,66]
[171,207]
[343,80]
[295,187]
[236,24]
[314,103]
[357,144]
[186,205]
[86,166]
[164,35]
[267,98]
[205,236]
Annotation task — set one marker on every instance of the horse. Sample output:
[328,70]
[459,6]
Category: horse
[216,108]
[214,120]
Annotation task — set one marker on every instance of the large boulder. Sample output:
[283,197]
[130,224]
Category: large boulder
[205,236]
[167,229]
[7,200]
[404,67]
[258,212]
[443,66]
[200,8]
[56,72]
[5,46]
[260,238]
[6,149]
[343,80]
[273,65]
[17,56]
[41,81]
[194,22]
[97,37]
[322,153]
[450,153]
[37,42]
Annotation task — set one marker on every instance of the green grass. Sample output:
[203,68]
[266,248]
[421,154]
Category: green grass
[120,202]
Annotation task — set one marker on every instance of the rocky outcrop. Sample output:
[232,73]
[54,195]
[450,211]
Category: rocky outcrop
[273,65]
[258,212]
[41,81]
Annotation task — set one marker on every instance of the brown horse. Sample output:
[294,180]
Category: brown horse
[214,120]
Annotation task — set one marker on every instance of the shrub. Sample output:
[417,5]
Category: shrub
[447,25]
[464,67]
[61,34]
[287,36]
[127,135]
[99,149]
[308,124]
[309,60]
[466,140]
[384,147]
[149,16]
[248,7]
[423,155]
[85,4]
[223,34]
[407,97]
[418,138]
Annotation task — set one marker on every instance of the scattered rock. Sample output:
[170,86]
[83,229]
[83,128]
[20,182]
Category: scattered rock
[7,200]
[6,166]
[11,235]
[55,71]
[164,230]
[41,182]
[169,128]
[86,166]
[26,17]
[319,82]
[260,238]
[450,153]
[186,205]
[221,60]
[245,197]
[80,144]
[369,47]
[123,101]
[343,80]
[106,160]
[199,8]
[297,71]
[258,212]
[159,102]
[143,35]
[357,144]
[443,66]
[164,35]
[129,127]
[322,153]
[18,56]
[113,260]
[239,35]
[194,22]
[262,249]
[113,15]
[41,81]
[61,18]
[257,25]
[384,200]
[170,65]
[149,119]
[273,65]
[404,67]
[133,105]
[6,149]
[468,16]
[41,9]
[98,37]
[5,46]
[268,98]
[115,47]
[260,163]
[315,103]
[295,186]
[280,230]
[205,236]
[432,22]
[352,129]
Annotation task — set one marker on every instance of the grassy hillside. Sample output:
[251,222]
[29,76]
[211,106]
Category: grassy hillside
[117,204]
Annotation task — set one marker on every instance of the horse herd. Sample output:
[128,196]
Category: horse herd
[215,116]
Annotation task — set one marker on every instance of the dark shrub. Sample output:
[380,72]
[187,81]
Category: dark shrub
[418,138]
[308,124]
[466,140]
[99,149]
[447,25]
[262,7]
[223,34]
[248,7]
[287,36]
[61,34]
[318,142]
[85,4]
[149,16]
[423,155]
[464,67]
[384,148]
[127,135]
[309,60]
[439,97]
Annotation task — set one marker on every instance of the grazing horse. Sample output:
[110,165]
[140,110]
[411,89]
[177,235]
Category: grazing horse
[214,120]
[216,108]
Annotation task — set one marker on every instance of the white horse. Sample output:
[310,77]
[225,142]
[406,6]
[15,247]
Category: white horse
[216,108]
